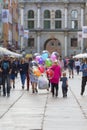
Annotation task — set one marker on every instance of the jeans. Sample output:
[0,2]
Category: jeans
[6,84]
[23,77]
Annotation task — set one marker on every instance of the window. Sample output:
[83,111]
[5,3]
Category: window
[46,24]
[74,42]
[31,24]
[74,14]
[58,14]
[30,14]
[58,19]
[31,19]
[47,19]
[31,42]
[74,19]
[74,24]
[58,24]
[46,14]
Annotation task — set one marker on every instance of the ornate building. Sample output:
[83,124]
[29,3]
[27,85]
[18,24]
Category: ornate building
[54,25]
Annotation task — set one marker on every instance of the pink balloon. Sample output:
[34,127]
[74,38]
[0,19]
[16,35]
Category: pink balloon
[37,58]
[53,57]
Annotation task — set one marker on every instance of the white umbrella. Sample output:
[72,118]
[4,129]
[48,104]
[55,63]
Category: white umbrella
[4,51]
[84,55]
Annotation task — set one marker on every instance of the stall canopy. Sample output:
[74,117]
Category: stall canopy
[82,55]
[4,51]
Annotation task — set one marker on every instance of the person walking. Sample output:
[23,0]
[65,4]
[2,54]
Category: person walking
[71,64]
[84,76]
[13,73]
[5,67]
[77,66]
[64,80]
[23,71]
[55,79]
[33,77]
[27,76]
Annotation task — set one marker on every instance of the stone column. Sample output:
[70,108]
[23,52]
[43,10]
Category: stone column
[66,13]
[66,42]
[38,42]
[38,16]
[82,16]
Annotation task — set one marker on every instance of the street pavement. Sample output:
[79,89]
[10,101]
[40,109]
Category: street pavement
[26,111]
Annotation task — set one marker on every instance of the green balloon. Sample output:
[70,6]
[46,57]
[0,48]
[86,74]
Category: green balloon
[48,62]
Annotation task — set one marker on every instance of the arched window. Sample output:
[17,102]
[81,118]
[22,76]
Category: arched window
[58,19]
[31,19]
[46,14]
[47,19]
[58,14]
[30,14]
[74,19]
[74,14]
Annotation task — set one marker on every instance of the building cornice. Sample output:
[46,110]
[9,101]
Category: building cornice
[52,1]
[55,30]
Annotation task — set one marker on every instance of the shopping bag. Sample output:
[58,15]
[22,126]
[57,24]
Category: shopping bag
[43,82]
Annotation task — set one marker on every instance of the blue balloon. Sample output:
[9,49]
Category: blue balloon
[45,56]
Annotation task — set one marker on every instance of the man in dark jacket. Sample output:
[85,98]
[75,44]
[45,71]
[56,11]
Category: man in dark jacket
[6,69]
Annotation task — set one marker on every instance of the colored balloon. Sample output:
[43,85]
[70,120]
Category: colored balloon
[36,54]
[56,54]
[48,62]
[41,61]
[42,69]
[53,57]
[50,73]
[45,54]
[33,63]
[36,72]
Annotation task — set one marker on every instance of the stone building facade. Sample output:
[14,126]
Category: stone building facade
[54,25]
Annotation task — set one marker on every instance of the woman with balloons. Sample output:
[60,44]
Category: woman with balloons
[33,75]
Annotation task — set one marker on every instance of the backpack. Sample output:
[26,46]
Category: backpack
[5,65]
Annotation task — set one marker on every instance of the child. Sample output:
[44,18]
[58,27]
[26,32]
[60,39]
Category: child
[64,84]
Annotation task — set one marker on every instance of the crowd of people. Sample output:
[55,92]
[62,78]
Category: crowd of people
[29,72]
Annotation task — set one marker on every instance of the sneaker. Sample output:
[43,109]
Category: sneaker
[13,86]
[27,89]
[33,91]
[4,95]
[8,94]
[81,93]
[22,87]
[36,90]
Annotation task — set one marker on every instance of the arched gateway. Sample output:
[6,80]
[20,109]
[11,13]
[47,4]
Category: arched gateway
[53,45]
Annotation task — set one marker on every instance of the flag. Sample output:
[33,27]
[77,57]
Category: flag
[21,30]
[5,15]
[84,31]
[26,32]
